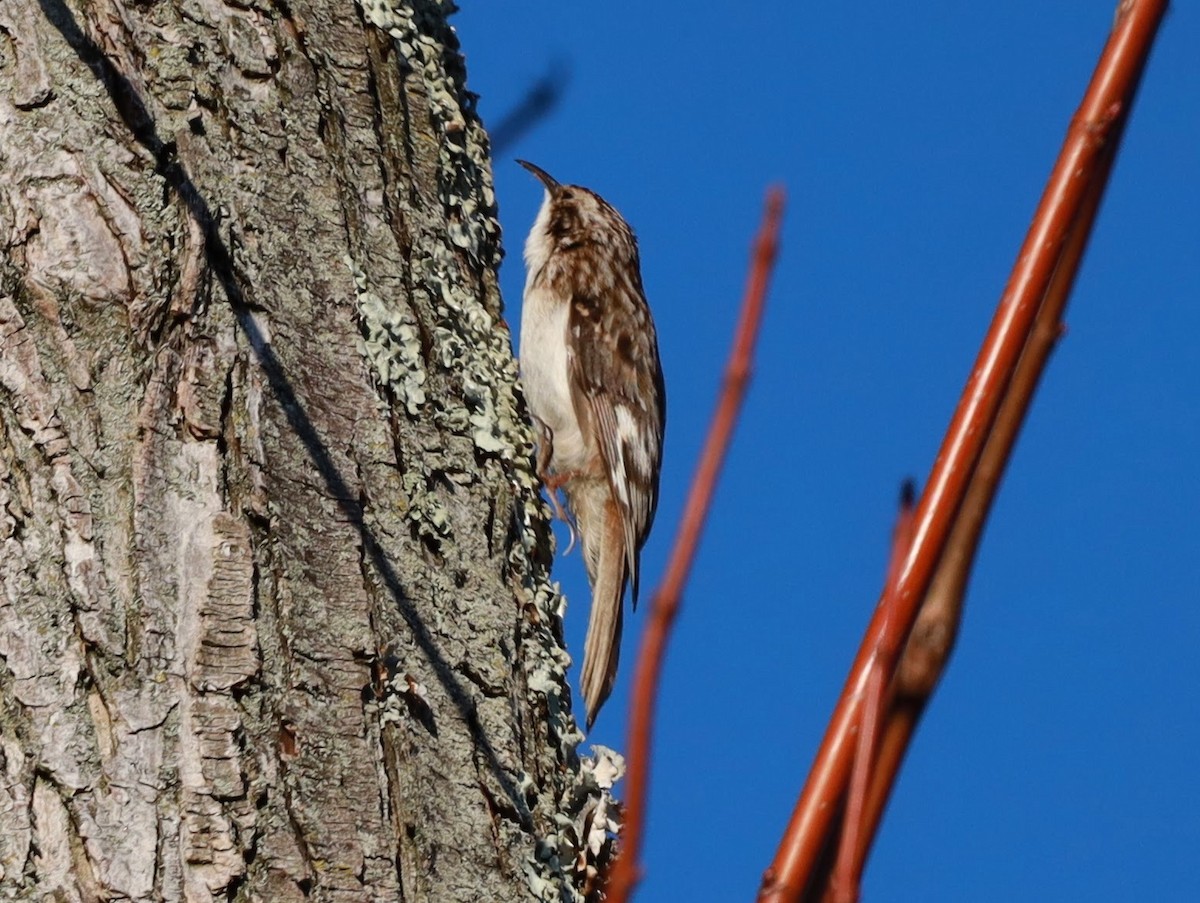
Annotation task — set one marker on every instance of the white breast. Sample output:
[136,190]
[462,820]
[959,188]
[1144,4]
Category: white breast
[544,376]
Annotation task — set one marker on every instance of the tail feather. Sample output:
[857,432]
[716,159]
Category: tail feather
[600,527]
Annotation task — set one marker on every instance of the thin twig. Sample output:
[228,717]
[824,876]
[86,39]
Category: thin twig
[537,104]
[665,604]
[1096,126]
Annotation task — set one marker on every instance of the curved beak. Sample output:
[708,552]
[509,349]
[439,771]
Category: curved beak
[544,177]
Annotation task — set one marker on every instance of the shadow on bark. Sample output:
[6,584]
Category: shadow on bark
[138,120]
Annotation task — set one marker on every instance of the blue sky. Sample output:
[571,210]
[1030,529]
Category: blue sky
[1059,758]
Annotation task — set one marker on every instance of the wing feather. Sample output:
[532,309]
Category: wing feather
[612,354]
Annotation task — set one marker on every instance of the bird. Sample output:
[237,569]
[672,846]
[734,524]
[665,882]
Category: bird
[593,383]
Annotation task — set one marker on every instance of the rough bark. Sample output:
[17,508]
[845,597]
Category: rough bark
[275,618]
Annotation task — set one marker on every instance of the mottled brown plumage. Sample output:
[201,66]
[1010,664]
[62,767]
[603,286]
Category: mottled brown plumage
[590,367]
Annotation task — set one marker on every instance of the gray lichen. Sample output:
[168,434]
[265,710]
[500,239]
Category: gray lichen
[465,176]
[468,350]
[424,509]
[391,343]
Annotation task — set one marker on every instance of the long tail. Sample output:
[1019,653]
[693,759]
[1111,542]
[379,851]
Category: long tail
[600,528]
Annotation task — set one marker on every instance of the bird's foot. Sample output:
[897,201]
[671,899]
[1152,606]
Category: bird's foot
[554,482]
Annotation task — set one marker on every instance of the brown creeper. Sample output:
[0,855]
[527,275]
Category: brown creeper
[589,364]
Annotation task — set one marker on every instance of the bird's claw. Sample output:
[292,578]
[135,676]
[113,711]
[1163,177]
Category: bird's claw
[552,484]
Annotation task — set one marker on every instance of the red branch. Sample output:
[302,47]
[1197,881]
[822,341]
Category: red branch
[665,604]
[933,636]
[1081,163]
[847,872]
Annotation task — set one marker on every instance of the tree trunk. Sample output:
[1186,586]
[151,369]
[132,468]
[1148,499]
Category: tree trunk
[275,619]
